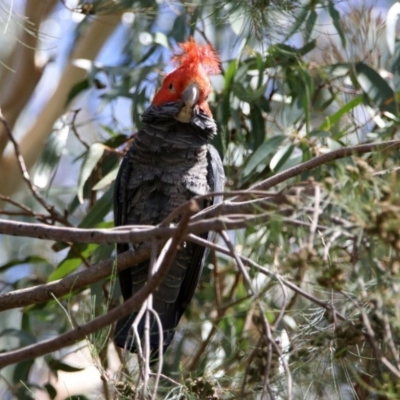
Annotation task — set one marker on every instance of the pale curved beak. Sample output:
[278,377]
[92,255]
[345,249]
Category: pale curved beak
[189,96]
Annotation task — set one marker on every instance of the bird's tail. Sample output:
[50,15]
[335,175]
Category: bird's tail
[125,338]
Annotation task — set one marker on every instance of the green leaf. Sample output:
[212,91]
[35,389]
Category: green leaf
[179,28]
[300,18]
[26,260]
[248,95]
[225,105]
[92,157]
[66,267]
[237,20]
[319,134]
[307,47]
[310,23]
[100,209]
[376,88]
[305,89]
[107,180]
[26,323]
[334,118]
[392,18]
[281,156]
[137,105]
[24,337]
[116,140]
[337,23]
[51,390]
[285,55]
[102,252]
[262,153]
[230,74]
[72,262]
[257,125]
[338,70]
[333,144]
[161,39]
[22,371]
[76,89]
[57,365]
[307,155]
[54,148]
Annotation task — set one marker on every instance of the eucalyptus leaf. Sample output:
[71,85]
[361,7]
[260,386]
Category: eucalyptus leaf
[263,152]
[281,156]
[91,159]
[107,180]
[342,112]
[336,19]
[57,365]
[376,88]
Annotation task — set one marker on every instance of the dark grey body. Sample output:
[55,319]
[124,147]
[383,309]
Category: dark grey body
[168,163]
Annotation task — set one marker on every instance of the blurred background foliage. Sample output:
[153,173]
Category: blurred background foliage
[299,79]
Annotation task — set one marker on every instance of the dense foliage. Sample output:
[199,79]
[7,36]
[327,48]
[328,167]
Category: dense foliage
[300,298]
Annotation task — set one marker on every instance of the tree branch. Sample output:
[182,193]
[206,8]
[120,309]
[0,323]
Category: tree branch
[321,160]
[47,291]
[130,234]
[134,303]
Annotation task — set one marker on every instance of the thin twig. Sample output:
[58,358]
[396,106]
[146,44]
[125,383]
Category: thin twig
[17,204]
[149,309]
[239,263]
[160,355]
[390,340]
[314,223]
[74,130]
[267,329]
[25,176]
[250,263]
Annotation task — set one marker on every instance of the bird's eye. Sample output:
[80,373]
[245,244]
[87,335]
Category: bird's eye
[171,86]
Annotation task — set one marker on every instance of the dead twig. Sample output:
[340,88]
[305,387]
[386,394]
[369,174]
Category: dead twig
[55,215]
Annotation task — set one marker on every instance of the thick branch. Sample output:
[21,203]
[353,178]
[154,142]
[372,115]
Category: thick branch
[47,291]
[132,234]
[389,145]
[134,303]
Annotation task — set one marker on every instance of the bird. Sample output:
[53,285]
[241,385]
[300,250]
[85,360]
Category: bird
[170,161]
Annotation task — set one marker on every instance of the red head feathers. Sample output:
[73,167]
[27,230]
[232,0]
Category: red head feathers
[189,82]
